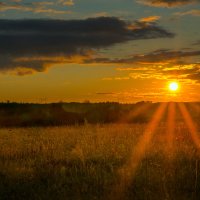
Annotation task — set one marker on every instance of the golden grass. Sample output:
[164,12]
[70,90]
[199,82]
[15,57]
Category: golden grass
[83,162]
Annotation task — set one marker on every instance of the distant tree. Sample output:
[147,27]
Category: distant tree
[86,101]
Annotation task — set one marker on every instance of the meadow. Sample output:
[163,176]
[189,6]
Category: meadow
[98,162]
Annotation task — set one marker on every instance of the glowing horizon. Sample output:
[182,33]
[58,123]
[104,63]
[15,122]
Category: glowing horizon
[98,51]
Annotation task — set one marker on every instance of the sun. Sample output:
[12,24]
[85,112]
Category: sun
[173,86]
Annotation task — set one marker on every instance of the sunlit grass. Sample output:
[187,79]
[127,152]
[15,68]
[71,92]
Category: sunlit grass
[83,162]
[170,129]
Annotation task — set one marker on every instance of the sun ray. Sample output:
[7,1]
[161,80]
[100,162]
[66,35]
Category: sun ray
[190,124]
[127,172]
[170,128]
[135,112]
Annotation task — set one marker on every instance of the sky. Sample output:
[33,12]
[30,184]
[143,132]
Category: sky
[99,50]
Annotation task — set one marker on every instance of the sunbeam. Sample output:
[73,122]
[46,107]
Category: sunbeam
[135,112]
[127,172]
[190,124]
[170,128]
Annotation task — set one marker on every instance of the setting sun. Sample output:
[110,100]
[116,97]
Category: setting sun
[173,86]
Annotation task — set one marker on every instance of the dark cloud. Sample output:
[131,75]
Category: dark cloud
[36,44]
[105,93]
[161,56]
[168,3]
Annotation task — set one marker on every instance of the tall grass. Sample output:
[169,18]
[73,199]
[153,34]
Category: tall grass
[83,162]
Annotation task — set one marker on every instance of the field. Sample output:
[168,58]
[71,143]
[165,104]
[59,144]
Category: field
[99,162]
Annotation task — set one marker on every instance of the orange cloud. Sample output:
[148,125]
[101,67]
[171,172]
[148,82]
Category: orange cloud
[167,3]
[150,19]
[67,2]
[36,7]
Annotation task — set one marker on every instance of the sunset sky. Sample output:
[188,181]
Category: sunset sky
[99,50]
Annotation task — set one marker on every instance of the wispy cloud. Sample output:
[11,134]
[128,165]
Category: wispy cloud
[162,64]
[150,19]
[189,12]
[167,3]
[184,72]
[116,78]
[66,2]
[37,7]
[158,57]
[105,93]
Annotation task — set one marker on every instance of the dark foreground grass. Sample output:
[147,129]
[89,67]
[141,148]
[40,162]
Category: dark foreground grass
[83,162]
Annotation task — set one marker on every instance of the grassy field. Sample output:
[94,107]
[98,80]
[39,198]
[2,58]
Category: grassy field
[94,162]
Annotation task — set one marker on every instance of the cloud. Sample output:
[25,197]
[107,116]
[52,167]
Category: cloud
[36,7]
[195,75]
[150,19]
[158,57]
[183,72]
[66,2]
[160,64]
[38,44]
[116,78]
[189,72]
[190,12]
[167,3]
[105,93]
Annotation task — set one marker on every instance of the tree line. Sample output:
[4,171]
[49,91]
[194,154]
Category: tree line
[56,114]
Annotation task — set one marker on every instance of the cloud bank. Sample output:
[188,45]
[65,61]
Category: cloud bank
[34,45]
[159,64]
[158,57]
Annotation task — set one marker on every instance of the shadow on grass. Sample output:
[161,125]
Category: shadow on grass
[60,180]
[156,179]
